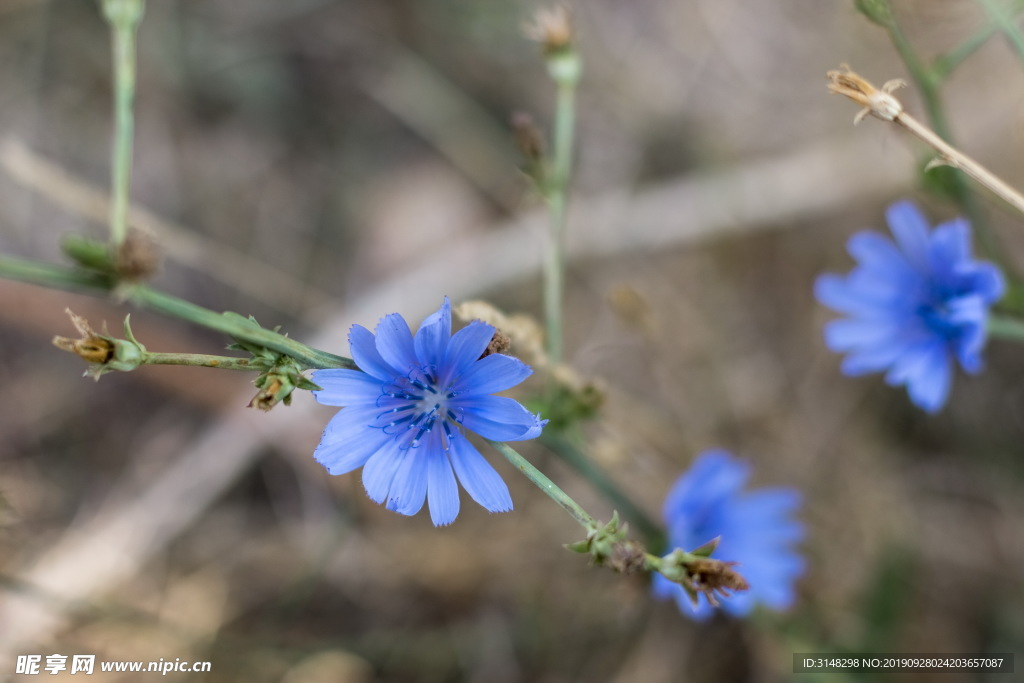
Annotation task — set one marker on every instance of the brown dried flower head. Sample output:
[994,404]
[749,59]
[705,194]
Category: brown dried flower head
[91,347]
[711,576]
[138,257]
[878,102]
[551,27]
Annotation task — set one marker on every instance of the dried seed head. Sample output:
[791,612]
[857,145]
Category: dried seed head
[500,343]
[138,257]
[551,27]
[709,576]
[877,102]
[91,347]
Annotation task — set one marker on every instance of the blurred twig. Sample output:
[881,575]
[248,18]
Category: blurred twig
[462,131]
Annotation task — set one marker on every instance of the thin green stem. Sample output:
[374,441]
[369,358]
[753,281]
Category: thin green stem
[546,485]
[1011,329]
[54,276]
[124,17]
[946,64]
[235,326]
[928,81]
[564,67]
[91,282]
[997,14]
[201,360]
[569,453]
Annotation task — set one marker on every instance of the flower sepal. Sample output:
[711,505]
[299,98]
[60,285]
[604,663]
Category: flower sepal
[102,352]
[608,546]
[277,384]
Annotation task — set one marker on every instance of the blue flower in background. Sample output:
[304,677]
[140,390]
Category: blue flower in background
[913,306]
[406,409]
[757,531]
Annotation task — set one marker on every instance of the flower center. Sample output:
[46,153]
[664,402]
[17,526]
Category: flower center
[417,404]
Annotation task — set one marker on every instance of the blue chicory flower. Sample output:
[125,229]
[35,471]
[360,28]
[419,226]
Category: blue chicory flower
[913,306]
[757,532]
[406,408]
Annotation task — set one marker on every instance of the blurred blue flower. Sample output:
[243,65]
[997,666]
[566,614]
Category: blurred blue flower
[757,531]
[913,306]
[406,409]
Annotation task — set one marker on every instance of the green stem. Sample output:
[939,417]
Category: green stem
[944,65]
[54,276]
[997,14]
[927,82]
[124,17]
[1011,329]
[78,280]
[201,360]
[546,485]
[569,453]
[235,326]
[564,67]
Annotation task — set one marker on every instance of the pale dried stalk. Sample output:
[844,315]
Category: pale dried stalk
[882,104]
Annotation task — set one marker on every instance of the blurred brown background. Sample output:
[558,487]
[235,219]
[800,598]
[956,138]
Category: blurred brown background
[321,162]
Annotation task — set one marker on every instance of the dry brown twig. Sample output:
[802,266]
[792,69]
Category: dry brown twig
[881,103]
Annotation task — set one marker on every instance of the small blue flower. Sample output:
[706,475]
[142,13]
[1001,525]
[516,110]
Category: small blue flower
[406,409]
[913,306]
[757,532]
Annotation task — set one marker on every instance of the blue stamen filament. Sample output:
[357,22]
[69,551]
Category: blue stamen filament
[418,412]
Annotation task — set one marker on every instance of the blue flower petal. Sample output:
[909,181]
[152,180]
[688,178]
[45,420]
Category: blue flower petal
[342,387]
[847,334]
[342,457]
[442,489]
[431,340]
[988,282]
[714,475]
[491,374]
[409,487]
[496,417]
[354,422]
[910,228]
[379,471]
[877,253]
[464,348]
[363,346]
[929,388]
[394,343]
[950,246]
[481,481]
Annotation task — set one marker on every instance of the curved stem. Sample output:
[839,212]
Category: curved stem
[546,485]
[571,454]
